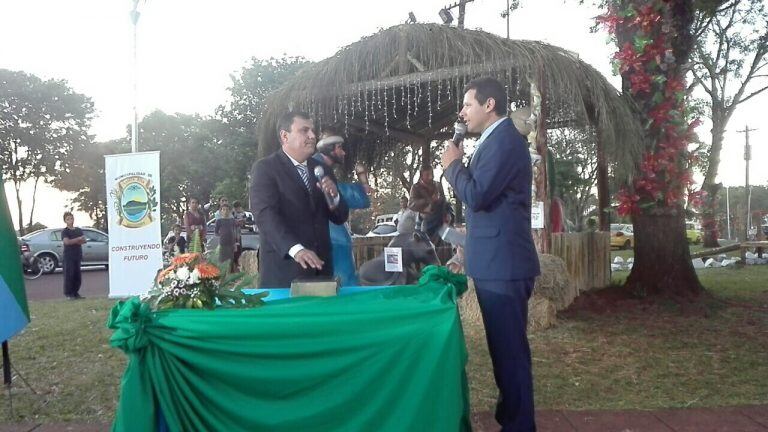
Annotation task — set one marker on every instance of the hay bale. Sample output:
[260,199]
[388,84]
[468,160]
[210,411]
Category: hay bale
[553,283]
[541,311]
[249,262]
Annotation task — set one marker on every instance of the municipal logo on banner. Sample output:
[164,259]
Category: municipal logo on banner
[134,198]
[133,217]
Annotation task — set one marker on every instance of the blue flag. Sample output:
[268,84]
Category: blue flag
[14,314]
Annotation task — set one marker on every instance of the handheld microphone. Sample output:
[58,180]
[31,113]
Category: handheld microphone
[320,174]
[459,130]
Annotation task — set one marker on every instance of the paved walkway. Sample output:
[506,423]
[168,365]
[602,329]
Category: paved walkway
[736,419]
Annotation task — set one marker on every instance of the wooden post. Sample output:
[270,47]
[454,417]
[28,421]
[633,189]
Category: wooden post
[542,194]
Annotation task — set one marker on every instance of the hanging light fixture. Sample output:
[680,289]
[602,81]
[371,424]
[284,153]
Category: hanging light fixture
[446,16]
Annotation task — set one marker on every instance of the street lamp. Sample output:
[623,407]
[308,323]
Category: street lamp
[138,7]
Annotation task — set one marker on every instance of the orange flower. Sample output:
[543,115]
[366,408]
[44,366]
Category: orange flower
[165,273]
[185,258]
[208,271]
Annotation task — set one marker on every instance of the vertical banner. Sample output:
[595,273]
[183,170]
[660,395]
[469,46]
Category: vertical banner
[133,216]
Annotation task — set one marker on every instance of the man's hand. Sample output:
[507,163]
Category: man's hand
[368,190]
[308,259]
[328,187]
[451,153]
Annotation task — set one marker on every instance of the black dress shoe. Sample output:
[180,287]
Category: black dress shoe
[78,297]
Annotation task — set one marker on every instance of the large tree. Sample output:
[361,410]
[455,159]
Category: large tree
[42,124]
[729,65]
[655,42]
[86,179]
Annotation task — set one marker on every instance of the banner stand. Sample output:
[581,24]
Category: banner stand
[133,218]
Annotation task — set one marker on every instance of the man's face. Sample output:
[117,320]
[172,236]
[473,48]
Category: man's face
[426,176]
[403,203]
[177,231]
[338,154]
[69,220]
[477,116]
[223,201]
[300,142]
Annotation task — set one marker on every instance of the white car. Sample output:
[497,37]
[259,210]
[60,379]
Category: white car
[384,229]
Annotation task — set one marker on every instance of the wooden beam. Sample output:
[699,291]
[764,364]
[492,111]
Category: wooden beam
[416,63]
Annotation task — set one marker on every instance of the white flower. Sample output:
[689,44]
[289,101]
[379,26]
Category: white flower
[194,277]
[182,273]
[176,292]
[174,283]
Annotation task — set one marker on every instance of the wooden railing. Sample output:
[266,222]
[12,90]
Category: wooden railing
[587,257]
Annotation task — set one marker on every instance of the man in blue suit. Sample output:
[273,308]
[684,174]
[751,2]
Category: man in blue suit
[500,254]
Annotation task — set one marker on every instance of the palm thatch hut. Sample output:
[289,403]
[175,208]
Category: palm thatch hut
[404,86]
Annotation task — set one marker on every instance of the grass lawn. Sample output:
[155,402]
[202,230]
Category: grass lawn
[647,357]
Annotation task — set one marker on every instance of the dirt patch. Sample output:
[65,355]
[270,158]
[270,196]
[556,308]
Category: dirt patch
[619,299]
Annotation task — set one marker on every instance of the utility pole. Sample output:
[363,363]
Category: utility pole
[747,157]
[135,14]
[514,4]
[728,212]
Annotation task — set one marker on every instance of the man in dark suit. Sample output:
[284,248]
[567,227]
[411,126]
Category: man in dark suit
[291,210]
[500,254]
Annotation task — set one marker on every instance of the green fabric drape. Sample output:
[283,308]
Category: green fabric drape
[386,360]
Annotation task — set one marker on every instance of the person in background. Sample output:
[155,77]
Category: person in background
[428,200]
[226,229]
[222,200]
[241,222]
[176,244]
[73,239]
[330,154]
[500,254]
[403,209]
[194,222]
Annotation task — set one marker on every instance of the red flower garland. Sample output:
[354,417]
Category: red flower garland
[665,170]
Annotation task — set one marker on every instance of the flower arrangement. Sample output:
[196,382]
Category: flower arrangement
[191,281]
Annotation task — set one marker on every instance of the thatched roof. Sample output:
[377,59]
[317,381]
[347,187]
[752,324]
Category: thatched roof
[405,85]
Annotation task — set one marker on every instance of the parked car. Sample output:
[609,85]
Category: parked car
[622,236]
[693,233]
[385,218]
[384,229]
[48,247]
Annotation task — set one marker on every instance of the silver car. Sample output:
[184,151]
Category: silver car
[47,246]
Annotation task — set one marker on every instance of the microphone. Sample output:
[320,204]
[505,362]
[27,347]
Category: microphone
[459,130]
[320,174]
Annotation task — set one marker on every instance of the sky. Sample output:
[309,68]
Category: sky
[187,51]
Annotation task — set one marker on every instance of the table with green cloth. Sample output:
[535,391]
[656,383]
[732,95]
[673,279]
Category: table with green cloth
[390,359]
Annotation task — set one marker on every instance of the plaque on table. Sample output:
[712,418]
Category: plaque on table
[315,287]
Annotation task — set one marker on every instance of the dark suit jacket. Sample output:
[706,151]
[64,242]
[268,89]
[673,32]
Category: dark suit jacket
[496,188]
[287,214]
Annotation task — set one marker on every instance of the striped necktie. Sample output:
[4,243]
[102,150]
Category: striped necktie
[304,174]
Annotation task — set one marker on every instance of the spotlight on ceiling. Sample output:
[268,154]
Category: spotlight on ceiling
[446,16]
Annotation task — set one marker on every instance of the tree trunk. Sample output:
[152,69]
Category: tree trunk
[662,264]
[708,212]
[17,186]
[708,220]
[34,196]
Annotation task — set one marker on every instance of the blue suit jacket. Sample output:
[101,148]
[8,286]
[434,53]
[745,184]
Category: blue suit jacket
[496,190]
